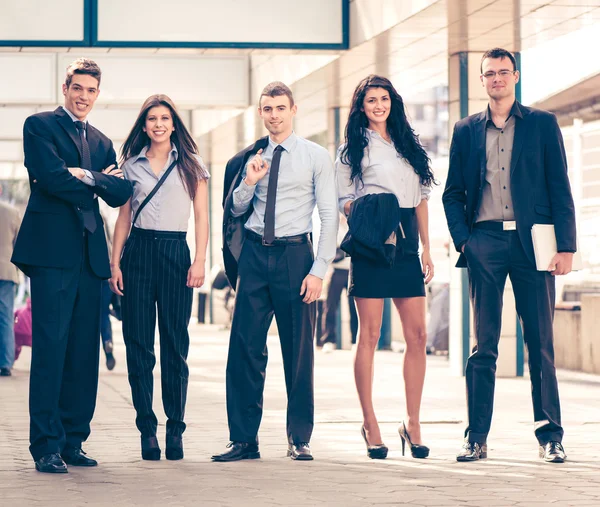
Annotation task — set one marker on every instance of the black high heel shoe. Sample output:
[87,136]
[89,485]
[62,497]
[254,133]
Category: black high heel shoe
[417,451]
[374,451]
[150,449]
[174,450]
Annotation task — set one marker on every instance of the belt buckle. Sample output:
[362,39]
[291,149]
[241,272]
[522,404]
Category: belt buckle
[264,243]
[510,225]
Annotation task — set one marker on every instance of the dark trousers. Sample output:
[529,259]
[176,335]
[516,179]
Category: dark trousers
[63,382]
[339,282]
[491,257]
[269,282]
[105,325]
[155,267]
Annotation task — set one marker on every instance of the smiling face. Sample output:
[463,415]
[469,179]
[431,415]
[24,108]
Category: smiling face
[277,115]
[377,105]
[499,78]
[80,95]
[159,124]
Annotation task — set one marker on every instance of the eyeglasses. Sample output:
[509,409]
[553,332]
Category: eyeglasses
[490,74]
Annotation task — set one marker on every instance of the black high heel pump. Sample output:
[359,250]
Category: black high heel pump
[374,451]
[417,451]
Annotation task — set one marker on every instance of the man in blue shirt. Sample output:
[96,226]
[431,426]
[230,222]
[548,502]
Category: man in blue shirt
[272,189]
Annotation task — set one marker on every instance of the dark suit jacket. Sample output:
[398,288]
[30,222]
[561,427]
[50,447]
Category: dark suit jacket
[233,227]
[51,233]
[539,183]
[373,218]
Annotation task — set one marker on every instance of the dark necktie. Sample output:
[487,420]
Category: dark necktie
[269,234]
[89,220]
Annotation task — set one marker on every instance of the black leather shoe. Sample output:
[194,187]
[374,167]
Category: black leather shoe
[553,452]
[472,451]
[77,458]
[238,451]
[51,464]
[110,358]
[300,452]
[174,450]
[150,449]
[5,372]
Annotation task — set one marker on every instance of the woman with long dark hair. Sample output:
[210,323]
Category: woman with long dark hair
[151,266]
[382,154]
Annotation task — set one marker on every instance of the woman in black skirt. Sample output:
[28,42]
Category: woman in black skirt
[382,154]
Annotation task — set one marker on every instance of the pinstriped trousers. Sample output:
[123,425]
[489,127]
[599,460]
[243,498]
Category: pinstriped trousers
[155,266]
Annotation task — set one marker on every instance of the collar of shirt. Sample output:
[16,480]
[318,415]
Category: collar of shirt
[515,110]
[72,116]
[288,145]
[144,151]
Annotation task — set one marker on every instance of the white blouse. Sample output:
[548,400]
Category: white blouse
[384,171]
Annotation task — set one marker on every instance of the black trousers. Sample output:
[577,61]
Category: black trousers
[155,267]
[339,282]
[491,257]
[269,282]
[63,382]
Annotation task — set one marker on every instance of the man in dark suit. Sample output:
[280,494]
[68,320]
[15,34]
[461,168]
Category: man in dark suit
[508,171]
[62,248]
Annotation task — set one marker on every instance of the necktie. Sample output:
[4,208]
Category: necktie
[89,220]
[269,234]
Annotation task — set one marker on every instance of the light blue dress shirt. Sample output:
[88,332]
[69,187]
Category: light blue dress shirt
[306,178]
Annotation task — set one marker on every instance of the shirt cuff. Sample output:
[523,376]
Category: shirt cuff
[88,179]
[246,190]
[319,268]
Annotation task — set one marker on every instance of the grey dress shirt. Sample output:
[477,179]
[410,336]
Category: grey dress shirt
[306,179]
[496,199]
[384,171]
[169,209]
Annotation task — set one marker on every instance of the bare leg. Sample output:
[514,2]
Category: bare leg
[412,315]
[370,313]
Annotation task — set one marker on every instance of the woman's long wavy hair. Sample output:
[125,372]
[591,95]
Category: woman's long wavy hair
[189,168]
[403,136]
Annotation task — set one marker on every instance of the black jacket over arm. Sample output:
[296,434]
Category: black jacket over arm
[539,183]
[233,227]
[51,233]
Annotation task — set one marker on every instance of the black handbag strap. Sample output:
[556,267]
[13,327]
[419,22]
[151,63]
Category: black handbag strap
[154,190]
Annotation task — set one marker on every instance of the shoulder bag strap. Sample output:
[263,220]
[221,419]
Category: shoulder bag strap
[154,190]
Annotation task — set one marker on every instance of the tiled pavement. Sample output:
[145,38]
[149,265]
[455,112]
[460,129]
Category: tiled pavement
[341,473]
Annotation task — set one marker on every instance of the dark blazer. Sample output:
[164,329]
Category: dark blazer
[373,218]
[51,233]
[539,183]
[233,227]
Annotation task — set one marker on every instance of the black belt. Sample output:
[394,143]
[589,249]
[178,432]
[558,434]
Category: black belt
[150,234]
[490,225]
[288,240]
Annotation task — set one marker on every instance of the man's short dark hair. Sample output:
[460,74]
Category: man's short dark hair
[277,89]
[498,53]
[83,66]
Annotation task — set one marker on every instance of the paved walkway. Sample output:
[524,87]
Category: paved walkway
[341,473]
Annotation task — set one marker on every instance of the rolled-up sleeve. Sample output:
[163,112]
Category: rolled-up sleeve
[425,192]
[345,187]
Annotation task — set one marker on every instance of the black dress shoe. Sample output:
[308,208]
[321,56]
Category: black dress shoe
[150,449]
[77,458]
[553,452]
[472,451]
[174,450]
[5,372]
[51,464]
[238,451]
[300,452]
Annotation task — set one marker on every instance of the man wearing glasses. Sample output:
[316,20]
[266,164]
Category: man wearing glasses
[508,171]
